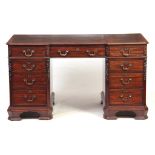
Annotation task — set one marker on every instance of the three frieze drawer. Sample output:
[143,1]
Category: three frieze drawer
[77,51]
[28,51]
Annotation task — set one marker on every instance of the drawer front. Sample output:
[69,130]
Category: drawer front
[127,51]
[29,65]
[29,81]
[131,80]
[28,51]
[126,97]
[29,98]
[126,65]
[78,51]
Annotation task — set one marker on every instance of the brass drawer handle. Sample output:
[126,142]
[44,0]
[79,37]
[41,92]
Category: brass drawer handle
[125,67]
[28,82]
[63,53]
[28,52]
[125,82]
[29,98]
[91,53]
[125,98]
[29,66]
[126,52]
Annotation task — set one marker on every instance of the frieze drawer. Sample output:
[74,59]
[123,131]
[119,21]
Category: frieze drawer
[127,51]
[77,51]
[28,51]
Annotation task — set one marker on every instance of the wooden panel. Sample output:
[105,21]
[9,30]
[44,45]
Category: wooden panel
[78,39]
[29,98]
[28,51]
[77,51]
[29,65]
[126,65]
[126,97]
[131,80]
[29,81]
[127,51]
[122,39]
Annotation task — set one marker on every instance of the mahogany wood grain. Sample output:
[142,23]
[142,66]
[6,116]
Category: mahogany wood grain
[126,97]
[77,51]
[28,51]
[131,80]
[127,51]
[126,65]
[29,81]
[29,98]
[78,39]
[27,66]
[125,72]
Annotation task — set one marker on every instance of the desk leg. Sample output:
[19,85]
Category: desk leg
[53,98]
[102,97]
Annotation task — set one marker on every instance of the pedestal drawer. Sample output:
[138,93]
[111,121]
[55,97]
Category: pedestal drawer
[29,98]
[25,65]
[126,97]
[29,81]
[126,65]
[129,80]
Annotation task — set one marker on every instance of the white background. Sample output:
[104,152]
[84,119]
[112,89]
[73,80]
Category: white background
[78,126]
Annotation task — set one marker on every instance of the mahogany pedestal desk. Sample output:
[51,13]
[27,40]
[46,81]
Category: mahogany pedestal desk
[29,69]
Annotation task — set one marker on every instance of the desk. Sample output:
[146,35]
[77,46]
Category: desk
[29,71]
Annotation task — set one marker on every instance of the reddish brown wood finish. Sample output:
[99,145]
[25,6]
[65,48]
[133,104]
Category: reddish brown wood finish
[28,51]
[29,98]
[127,51]
[126,65]
[77,51]
[29,87]
[126,82]
[125,56]
[24,65]
[29,81]
[131,80]
[78,39]
[126,97]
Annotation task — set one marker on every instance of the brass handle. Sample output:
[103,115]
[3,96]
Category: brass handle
[125,52]
[28,52]
[125,67]
[63,53]
[28,82]
[29,67]
[91,53]
[29,98]
[125,82]
[125,98]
